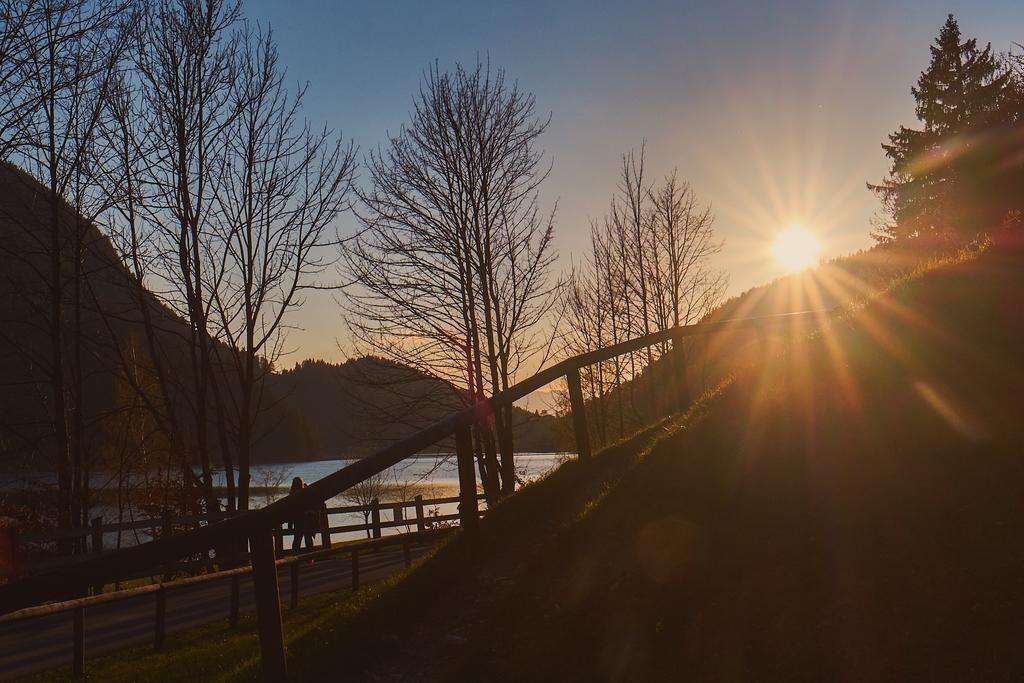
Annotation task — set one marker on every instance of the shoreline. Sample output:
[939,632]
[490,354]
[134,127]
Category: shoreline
[37,475]
[417,456]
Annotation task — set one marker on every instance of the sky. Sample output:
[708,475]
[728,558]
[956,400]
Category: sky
[773,111]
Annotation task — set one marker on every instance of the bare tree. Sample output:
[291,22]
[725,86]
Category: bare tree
[278,187]
[59,59]
[585,305]
[649,268]
[185,66]
[222,200]
[451,271]
[631,218]
[144,362]
[366,492]
[682,245]
[16,101]
[607,298]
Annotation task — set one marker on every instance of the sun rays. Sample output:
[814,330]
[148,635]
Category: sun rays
[796,248]
[830,365]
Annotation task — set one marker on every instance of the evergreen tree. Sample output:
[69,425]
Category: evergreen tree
[956,175]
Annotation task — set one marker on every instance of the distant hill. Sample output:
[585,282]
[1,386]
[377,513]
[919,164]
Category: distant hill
[355,407]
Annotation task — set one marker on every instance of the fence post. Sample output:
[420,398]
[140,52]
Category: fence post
[399,513]
[680,380]
[16,553]
[236,599]
[295,584]
[97,534]
[375,517]
[325,527]
[469,516]
[579,415]
[161,619]
[268,606]
[278,535]
[355,569]
[421,522]
[78,652]
[97,545]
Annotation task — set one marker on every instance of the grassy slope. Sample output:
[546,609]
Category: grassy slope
[214,652]
[798,531]
[849,510]
[835,283]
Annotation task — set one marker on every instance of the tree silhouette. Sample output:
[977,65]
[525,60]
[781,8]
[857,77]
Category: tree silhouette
[955,175]
[451,271]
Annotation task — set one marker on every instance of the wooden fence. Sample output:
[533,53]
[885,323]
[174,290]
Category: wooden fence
[258,526]
[92,537]
[161,590]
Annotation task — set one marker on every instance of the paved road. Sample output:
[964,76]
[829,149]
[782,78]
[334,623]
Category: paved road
[31,645]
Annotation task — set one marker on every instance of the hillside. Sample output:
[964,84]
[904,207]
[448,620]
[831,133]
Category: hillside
[25,362]
[317,410]
[712,359]
[848,509]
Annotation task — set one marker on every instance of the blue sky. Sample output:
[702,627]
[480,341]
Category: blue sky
[773,111]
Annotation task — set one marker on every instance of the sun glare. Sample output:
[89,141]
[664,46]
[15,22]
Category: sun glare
[796,248]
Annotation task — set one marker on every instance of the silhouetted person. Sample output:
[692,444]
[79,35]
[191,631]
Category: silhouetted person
[305,523]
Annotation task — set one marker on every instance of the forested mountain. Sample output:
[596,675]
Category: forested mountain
[315,410]
[362,404]
[100,302]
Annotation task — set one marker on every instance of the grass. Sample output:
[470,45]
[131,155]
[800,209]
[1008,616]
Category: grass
[207,653]
[850,508]
[214,652]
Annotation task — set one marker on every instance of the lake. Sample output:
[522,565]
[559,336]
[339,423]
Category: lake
[438,473]
[432,476]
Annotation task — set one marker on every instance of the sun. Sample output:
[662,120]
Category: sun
[796,248]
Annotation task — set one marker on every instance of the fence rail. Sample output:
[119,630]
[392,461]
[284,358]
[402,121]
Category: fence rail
[161,590]
[85,534]
[92,537]
[258,525]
